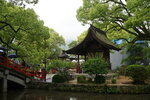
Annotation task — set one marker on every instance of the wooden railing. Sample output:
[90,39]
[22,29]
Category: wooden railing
[20,68]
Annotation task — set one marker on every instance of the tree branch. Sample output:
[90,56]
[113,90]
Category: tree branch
[137,30]
[12,39]
[129,31]
[122,4]
[145,30]
[110,28]
[127,40]
[7,44]
[126,29]
[3,27]
[117,18]
[10,26]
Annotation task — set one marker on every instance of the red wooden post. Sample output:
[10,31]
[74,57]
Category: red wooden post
[44,74]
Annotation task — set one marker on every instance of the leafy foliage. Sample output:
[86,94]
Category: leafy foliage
[120,16]
[23,3]
[136,52]
[55,43]
[122,36]
[82,36]
[95,66]
[113,81]
[100,79]
[146,52]
[58,79]
[72,44]
[137,72]
[60,64]
[62,67]
[81,79]
[148,69]
[22,31]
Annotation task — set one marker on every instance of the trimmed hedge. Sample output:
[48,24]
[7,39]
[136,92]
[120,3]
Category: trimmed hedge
[148,69]
[100,79]
[58,79]
[113,81]
[138,73]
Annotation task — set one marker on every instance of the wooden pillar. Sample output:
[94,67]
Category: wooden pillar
[78,65]
[106,55]
[78,58]
[85,57]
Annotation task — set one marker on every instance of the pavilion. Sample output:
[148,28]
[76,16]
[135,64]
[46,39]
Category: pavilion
[95,43]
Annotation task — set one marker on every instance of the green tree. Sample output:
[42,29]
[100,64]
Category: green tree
[146,52]
[131,16]
[22,31]
[23,2]
[137,53]
[56,41]
[113,36]
[62,67]
[81,36]
[138,73]
[72,44]
[95,66]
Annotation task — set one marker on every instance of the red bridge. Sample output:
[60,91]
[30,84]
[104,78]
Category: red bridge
[13,72]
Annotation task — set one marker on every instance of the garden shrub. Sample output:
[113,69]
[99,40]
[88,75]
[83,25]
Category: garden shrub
[58,79]
[81,79]
[113,81]
[62,68]
[148,69]
[96,66]
[99,79]
[138,73]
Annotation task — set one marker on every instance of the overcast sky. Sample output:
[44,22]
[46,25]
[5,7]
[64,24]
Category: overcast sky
[61,16]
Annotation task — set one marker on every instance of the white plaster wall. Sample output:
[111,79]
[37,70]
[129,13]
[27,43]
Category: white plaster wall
[116,58]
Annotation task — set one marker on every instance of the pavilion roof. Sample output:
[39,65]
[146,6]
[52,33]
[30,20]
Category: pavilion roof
[96,37]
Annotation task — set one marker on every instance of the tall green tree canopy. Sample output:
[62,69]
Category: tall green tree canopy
[120,16]
[56,41]
[22,31]
[23,2]
[19,25]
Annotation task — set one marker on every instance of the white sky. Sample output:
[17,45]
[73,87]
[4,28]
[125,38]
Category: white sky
[61,16]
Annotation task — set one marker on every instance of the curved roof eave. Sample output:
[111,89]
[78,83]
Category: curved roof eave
[92,33]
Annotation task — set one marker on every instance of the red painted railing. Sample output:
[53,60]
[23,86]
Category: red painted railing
[20,68]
